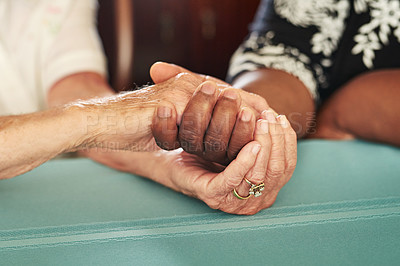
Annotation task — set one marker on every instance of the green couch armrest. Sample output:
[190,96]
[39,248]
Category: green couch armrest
[342,206]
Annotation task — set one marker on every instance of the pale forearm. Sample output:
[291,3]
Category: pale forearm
[81,86]
[120,122]
[27,141]
[284,93]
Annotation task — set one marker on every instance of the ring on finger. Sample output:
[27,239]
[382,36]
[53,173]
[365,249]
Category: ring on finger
[238,196]
[255,189]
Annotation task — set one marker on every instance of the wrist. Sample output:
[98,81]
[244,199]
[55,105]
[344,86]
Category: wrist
[72,128]
[120,122]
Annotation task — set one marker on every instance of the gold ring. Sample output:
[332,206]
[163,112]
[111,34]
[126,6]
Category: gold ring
[255,189]
[248,181]
[238,196]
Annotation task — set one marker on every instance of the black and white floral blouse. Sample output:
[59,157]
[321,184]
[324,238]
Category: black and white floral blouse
[324,43]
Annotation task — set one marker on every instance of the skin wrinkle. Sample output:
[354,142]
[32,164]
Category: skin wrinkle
[217,130]
[227,202]
[13,127]
[244,133]
[260,102]
[179,170]
[130,101]
[104,123]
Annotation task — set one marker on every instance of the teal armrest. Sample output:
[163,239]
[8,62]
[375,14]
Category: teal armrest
[342,206]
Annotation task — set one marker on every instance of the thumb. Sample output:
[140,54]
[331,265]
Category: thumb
[164,128]
[161,71]
[234,173]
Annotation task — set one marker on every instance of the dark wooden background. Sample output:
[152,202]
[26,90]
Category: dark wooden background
[200,35]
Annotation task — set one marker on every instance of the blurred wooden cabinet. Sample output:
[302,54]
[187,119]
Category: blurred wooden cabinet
[200,35]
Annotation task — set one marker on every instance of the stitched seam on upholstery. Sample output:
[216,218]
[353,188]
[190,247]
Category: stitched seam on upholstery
[219,218]
[205,232]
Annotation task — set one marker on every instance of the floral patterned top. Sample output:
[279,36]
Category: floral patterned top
[323,43]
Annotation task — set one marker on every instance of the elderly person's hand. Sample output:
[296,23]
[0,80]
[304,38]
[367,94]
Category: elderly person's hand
[269,160]
[123,121]
[161,72]
[216,123]
[117,122]
[211,120]
[272,164]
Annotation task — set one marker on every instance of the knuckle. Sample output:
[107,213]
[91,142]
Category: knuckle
[291,165]
[256,176]
[189,135]
[277,133]
[230,183]
[213,136]
[276,169]
[215,144]
[190,140]
[241,165]
[190,131]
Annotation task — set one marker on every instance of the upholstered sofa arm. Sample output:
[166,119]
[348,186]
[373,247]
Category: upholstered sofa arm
[342,206]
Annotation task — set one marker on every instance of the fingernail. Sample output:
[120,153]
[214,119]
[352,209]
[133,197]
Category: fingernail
[263,126]
[208,88]
[164,112]
[256,149]
[264,114]
[230,94]
[246,115]
[270,116]
[283,121]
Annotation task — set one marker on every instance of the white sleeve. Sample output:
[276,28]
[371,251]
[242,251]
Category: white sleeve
[75,46]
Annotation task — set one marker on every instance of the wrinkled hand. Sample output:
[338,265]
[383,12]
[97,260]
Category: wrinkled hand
[270,159]
[213,127]
[217,122]
[161,72]
[123,121]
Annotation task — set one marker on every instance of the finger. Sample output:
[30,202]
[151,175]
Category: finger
[164,128]
[274,159]
[257,102]
[276,164]
[196,118]
[262,135]
[290,147]
[258,172]
[220,128]
[242,132]
[234,173]
[161,71]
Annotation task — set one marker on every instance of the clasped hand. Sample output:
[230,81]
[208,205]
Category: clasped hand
[221,126]
[226,134]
